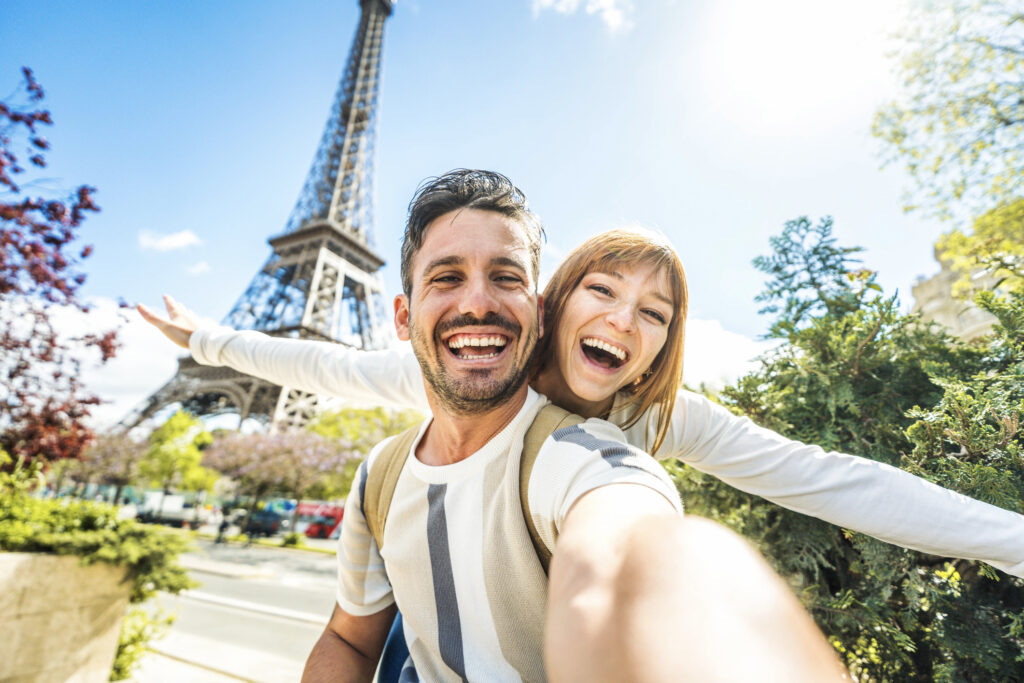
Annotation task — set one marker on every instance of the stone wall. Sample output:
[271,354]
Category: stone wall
[60,620]
[933,299]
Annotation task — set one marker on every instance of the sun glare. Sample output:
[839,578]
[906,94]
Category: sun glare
[794,66]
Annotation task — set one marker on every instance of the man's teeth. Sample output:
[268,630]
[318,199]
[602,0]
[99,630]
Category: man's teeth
[604,346]
[459,342]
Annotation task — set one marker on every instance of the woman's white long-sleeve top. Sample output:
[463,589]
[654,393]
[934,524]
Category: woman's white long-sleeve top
[853,492]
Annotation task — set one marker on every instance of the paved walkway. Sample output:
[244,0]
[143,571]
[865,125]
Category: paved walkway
[184,657]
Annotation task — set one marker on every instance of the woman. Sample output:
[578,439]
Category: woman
[613,348]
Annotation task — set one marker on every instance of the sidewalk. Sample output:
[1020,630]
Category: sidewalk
[182,656]
[179,658]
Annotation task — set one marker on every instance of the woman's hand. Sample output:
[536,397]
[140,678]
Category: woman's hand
[178,326]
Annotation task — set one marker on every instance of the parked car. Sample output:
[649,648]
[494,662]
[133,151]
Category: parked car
[265,523]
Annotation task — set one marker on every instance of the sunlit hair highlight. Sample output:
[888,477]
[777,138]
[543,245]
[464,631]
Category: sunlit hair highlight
[608,252]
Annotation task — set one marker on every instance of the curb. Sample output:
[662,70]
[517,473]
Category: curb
[245,605]
[237,571]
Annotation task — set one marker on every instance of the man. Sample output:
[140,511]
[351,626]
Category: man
[635,592]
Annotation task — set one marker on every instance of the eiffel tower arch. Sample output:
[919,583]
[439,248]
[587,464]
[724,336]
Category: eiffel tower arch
[321,280]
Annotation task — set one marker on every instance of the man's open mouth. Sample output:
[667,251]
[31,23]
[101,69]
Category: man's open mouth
[606,355]
[476,346]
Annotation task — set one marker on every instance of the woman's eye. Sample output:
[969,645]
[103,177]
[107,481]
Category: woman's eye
[657,316]
[601,289]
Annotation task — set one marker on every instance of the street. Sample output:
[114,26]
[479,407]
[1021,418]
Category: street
[254,617]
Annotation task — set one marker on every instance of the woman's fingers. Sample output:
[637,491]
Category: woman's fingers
[172,329]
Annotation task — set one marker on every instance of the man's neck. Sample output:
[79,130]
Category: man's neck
[451,438]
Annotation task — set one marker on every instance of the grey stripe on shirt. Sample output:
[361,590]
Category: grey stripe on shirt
[614,452]
[449,626]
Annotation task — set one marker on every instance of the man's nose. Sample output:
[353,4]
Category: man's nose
[478,298]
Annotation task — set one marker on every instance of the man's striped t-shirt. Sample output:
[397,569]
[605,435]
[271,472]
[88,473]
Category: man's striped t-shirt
[458,559]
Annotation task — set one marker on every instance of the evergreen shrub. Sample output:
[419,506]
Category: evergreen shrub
[854,374]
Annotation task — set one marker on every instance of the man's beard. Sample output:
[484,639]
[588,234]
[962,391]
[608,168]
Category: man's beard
[469,395]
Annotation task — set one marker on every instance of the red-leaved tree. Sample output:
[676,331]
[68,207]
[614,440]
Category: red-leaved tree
[43,405]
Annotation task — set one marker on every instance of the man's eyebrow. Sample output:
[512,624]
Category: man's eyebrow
[443,262]
[508,261]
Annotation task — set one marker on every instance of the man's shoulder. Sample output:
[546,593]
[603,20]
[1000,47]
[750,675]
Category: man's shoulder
[592,434]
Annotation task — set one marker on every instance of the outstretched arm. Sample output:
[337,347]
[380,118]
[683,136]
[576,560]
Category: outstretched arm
[853,492]
[638,593]
[390,377]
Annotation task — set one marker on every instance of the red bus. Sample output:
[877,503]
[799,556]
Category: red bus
[320,520]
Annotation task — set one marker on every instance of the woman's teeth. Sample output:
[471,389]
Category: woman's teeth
[604,346]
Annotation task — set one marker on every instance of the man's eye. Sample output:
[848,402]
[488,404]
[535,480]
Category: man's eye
[446,278]
[508,278]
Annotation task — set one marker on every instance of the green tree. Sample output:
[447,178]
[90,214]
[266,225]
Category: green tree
[362,429]
[851,375]
[995,246]
[958,125]
[173,460]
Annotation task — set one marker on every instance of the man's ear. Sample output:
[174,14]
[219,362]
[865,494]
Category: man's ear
[540,315]
[402,317]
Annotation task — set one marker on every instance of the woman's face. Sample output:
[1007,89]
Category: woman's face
[612,327]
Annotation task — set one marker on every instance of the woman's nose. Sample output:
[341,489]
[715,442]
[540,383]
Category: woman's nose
[622,319]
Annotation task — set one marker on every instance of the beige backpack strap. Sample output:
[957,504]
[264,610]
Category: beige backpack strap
[382,479]
[549,419]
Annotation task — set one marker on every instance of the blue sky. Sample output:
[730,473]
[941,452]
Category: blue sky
[713,121]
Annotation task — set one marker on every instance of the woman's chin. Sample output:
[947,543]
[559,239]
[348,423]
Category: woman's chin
[588,392]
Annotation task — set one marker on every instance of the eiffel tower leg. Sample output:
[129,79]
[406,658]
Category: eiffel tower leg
[294,409]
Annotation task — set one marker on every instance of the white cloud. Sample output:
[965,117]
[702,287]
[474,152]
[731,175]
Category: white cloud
[198,268]
[175,240]
[616,14]
[715,356]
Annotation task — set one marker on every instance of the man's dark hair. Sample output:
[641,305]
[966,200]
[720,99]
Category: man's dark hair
[467,189]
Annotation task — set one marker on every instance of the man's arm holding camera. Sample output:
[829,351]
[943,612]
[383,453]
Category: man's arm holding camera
[637,592]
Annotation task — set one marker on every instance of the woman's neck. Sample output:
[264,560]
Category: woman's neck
[551,383]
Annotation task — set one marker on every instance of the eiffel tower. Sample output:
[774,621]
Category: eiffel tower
[321,281]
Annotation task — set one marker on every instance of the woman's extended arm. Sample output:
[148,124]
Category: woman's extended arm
[853,492]
[377,377]
[390,377]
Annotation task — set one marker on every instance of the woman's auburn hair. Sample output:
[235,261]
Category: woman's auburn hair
[606,253]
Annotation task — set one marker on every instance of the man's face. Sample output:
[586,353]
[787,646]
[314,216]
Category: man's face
[473,313]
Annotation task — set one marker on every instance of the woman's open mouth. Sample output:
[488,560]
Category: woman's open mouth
[604,354]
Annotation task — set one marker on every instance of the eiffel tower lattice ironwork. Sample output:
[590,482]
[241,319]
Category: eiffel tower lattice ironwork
[321,281]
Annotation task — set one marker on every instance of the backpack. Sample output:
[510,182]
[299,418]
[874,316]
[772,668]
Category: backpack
[383,476]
